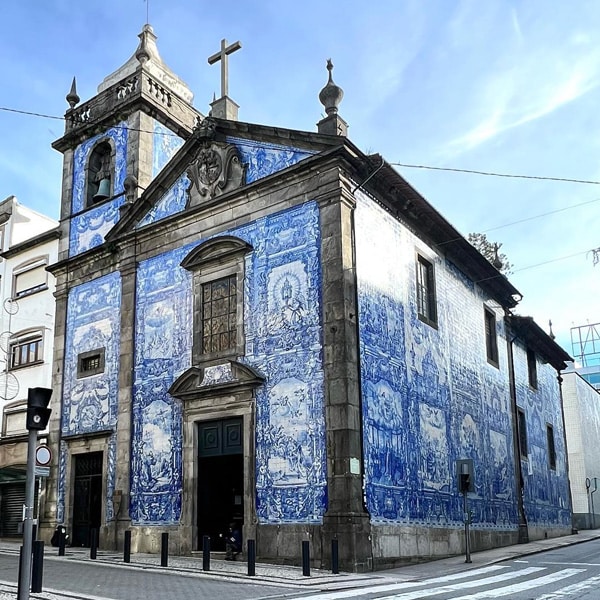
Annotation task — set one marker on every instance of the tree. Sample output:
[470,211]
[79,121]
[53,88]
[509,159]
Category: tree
[490,251]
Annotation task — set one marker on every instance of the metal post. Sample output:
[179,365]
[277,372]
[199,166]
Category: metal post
[467,535]
[93,543]
[62,540]
[164,549]
[595,480]
[20,571]
[206,553]
[127,547]
[306,559]
[335,557]
[37,572]
[251,558]
[25,575]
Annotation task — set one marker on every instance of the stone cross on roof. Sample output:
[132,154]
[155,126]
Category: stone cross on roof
[222,56]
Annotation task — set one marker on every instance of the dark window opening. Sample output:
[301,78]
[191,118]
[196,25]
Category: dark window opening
[491,340]
[219,315]
[426,304]
[551,447]
[522,424]
[90,363]
[532,368]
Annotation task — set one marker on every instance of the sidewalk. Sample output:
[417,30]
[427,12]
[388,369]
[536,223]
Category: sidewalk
[289,576]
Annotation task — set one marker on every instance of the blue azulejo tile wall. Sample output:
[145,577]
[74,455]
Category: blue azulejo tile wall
[546,489]
[89,228]
[260,160]
[429,395]
[89,403]
[163,343]
[282,326]
[165,144]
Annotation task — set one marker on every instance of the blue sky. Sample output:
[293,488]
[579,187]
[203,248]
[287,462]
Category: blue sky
[501,86]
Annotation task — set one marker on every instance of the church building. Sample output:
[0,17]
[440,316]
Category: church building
[270,327]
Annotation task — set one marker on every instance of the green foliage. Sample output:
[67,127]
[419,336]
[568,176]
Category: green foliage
[491,251]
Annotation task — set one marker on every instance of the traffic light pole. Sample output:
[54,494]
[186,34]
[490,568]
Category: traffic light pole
[25,576]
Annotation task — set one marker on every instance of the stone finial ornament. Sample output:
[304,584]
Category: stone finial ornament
[143,52]
[331,95]
[551,333]
[72,97]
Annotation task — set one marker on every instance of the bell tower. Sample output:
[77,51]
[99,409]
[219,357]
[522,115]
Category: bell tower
[116,143]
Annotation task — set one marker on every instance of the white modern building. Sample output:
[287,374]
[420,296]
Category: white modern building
[28,243]
[582,425]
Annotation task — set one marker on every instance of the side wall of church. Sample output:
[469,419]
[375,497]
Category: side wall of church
[546,489]
[430,397]
[282,327]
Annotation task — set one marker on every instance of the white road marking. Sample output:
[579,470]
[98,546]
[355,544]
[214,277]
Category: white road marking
[572,590]
[393,587]
[570,564]
[417,594]
[523,587]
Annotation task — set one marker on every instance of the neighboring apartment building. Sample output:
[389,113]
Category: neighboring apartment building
[582,423]
[269,326]
[29,243]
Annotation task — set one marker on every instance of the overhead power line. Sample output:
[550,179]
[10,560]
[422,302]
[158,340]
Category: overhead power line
[492,174]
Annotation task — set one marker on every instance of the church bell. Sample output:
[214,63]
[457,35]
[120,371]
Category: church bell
[103,190]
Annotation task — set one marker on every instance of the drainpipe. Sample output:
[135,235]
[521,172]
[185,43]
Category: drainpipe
[592,499]
[564,428]
[523,531]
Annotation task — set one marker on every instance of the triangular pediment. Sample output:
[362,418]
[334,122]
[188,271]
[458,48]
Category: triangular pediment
[219,158]
[212,380]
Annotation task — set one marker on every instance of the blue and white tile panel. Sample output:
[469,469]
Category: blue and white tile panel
[429,395]
[283,341]
[89,228]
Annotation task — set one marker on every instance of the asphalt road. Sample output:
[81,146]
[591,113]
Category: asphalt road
[569,573]
[133,583]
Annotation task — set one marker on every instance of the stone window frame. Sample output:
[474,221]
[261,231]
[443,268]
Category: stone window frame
[82,357]
[215,259]
[87,191]
[425,291]
[491,337]
[27,337]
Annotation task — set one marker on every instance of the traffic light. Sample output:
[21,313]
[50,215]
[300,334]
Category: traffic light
[464,482]
[38,412]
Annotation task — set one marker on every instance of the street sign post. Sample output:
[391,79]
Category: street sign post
[38,415]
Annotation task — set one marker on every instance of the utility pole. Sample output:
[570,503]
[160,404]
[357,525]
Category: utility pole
[38,415]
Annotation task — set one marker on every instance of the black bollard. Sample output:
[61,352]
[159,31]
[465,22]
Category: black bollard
[251,558]
[20,569]
[37,567]
[62,541]
[306,559]
[93,543]
[206,553]
[335,557]
[127,547]
[164,550]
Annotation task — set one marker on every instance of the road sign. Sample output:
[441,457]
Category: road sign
[43,455]
[42,471]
